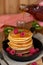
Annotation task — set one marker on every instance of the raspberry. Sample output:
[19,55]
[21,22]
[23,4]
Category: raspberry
[20,55]
[8,49]
[30,54]
[34,63]
[37,49]
[32,50]
[12,52]
[22,34]
[16,31]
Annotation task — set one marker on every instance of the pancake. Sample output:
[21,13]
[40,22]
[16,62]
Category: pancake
[20,44]
[23,51]
[18,38]
[19,47]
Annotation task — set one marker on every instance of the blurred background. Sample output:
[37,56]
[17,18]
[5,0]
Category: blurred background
[12,6]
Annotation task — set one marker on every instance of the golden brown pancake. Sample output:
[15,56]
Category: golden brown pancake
[23,51]
[15,47]
[20,44]
[17,38]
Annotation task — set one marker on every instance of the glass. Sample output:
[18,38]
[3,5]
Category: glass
[20,24]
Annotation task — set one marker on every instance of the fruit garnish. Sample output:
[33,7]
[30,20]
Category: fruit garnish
[22,34]
[20,30]
[7,30]
[32,50]
[16,31]
[8,49]
[34,63]
[36,25]
[19,54]
[37,49]
[30,54]
[12,52]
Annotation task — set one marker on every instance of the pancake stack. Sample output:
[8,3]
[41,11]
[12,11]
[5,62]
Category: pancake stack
[21,41]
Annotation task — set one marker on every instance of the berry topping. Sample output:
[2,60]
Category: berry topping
[12,52]
[22,34]
[20,55]
[30,54]
[16,31]
[37,49]
[32,50]
[8,49]
[34,63]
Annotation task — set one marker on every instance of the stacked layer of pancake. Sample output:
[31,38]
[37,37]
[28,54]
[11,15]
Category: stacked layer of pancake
[21,44]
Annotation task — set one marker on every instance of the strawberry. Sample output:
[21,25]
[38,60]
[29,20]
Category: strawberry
[8,49]
[12,52]
[16,31]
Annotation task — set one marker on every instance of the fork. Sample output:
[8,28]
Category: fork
[2,58]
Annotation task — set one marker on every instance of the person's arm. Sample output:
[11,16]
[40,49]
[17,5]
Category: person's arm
[41,3]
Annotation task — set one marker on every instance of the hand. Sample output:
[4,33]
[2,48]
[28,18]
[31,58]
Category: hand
[41,3]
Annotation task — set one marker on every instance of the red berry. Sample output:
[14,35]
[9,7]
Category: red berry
[30,54]
[37,49]
[22,34]
[12,52]
[34,63]
[20,55]
[32,51]
[8,49]
[16,31]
